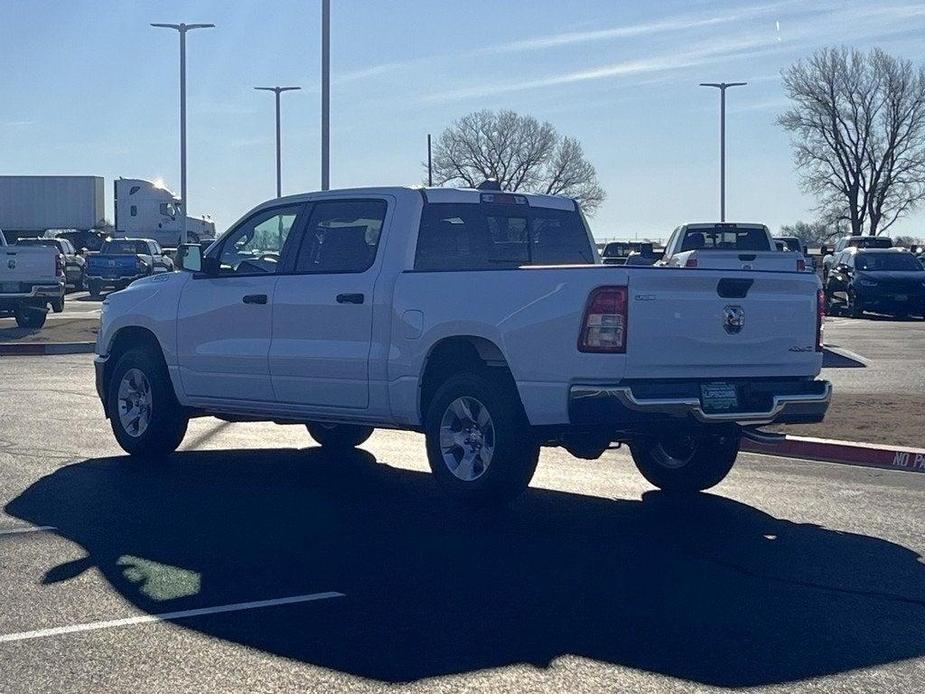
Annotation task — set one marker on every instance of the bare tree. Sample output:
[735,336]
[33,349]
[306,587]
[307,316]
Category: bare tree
[810,233]
[858,128]
[519,152]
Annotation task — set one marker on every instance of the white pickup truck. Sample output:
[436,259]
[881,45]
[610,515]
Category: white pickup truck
[31,281]
[728,246]
[483,319]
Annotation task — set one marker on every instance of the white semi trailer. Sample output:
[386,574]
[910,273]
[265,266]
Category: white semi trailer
[29,205]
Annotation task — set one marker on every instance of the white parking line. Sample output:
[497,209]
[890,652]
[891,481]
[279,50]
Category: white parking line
[32,529]
[145,619]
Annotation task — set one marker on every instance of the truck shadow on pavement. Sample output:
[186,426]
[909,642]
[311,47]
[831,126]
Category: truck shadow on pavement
[706,589]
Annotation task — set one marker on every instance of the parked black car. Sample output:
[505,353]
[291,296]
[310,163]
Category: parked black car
[889,280]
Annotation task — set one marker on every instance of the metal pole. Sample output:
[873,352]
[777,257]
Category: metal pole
[722,155]
[279,172]
[279,157]
[184,209]
[722,86]
[430,164]
[325,94]
[182,29]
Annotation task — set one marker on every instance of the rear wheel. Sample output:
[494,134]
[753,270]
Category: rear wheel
[30,317]
[478,439]
[339,436]
[95,288]
[145,416]
[686,462]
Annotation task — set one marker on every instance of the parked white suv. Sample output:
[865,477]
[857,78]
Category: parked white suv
[482,318]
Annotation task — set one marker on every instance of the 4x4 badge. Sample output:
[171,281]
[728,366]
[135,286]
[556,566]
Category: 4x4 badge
[733,319]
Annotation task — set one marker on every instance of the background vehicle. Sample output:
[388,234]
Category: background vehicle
[617,252]
[75,273]
[728,246]
[852,242]
[422,309]
[122,261]
[143,209]
[793,244]
[90,240]
[31,204]
[889,280]
[31,280]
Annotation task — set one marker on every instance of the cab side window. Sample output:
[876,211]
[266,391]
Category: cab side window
[254,247]
[341,236]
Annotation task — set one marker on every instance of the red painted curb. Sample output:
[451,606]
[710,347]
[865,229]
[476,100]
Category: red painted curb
[846,452]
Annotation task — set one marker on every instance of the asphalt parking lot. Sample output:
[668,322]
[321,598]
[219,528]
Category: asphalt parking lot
[366,576]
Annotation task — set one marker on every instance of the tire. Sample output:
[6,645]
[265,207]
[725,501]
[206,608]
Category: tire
[95,289]
[852,307]
[57,305]
[478,411]
[141,375]
[82,281]
[685,463]
[30,317]
[339,436]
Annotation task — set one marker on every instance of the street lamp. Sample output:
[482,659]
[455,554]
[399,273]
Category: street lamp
[182,29]
[277,91]
[722,86]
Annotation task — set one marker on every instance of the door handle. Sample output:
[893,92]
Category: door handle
[350,298]
[255,299]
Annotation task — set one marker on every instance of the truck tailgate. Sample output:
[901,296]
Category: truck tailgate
[714,323]
[22,264]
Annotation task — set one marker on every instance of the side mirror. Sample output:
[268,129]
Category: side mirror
[189,257]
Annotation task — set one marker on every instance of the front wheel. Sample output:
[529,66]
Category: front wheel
[96,288]
[145,416]
[685,463]
[339,436]
[57,305]
[479,444]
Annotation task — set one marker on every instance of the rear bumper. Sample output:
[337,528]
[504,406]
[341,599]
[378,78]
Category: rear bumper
[33,292]
[113,280]
[762,402]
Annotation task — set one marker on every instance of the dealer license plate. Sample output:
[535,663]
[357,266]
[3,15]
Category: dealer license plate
[719,397]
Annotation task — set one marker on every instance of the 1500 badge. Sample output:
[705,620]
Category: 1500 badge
[796,348]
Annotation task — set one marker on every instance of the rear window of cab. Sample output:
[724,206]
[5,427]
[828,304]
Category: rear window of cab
[484,236]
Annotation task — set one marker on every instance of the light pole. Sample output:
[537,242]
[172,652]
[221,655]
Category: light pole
[277,91]
[325,94]
[182,29]
[722,86]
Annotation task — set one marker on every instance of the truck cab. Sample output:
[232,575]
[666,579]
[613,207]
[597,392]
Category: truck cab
[148,210]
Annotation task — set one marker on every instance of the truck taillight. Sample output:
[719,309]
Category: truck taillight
[801,265]
[820,317]
[691,262]
[604,326]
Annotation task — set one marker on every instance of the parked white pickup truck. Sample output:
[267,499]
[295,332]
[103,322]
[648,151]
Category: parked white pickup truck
[31,281]
[728,246]
[483,319]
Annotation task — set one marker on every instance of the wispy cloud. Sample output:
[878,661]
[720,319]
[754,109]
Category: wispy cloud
[672,24]
[678,23]
[698,55]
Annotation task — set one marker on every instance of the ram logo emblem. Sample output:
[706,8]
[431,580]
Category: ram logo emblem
[733,319]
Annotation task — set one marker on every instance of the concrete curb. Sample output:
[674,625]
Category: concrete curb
[46,348]
[845,452]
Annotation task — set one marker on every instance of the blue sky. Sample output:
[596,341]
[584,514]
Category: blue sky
[90,88]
